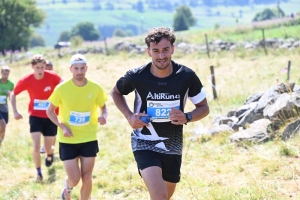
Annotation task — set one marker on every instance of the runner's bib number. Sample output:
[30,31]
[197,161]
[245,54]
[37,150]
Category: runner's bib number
[40,104]
[79,118]
[159,110]
[3,99]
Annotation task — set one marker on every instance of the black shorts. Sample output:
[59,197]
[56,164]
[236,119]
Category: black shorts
[71,151]
[4,115]
[169,163]
[43,125]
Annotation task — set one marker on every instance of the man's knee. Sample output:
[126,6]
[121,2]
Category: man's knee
[86,177]
[159,195]
[74,180]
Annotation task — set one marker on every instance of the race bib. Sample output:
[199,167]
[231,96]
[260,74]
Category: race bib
[40,104]
[3,99]
[79,118]
[159,110]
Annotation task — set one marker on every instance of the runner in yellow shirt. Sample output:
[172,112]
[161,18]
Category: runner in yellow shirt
[78,100]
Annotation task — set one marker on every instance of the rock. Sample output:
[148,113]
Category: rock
[247,117]
[296,88]
[281,110]
[231,113]
[259,131]
[254,97]
[268,97]
[222,119]
[291,129]
[284,88]
[244,108]
[220,129]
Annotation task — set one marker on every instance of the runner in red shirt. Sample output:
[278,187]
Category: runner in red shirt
[39,85]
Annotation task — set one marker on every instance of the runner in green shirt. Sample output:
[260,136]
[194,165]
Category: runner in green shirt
[6,86]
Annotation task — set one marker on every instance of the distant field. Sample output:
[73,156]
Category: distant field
[62,17]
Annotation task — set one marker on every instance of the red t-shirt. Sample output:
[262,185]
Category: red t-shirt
[39,91]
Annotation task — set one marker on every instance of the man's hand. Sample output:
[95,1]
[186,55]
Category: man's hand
[66,131]
[177,117]
[102,120]
[17,115]
[135,122]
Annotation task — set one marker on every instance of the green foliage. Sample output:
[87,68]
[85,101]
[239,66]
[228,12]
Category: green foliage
[76,41]
[86,30]
[16,21]
[267,14]
[140,6]
[37,40]
[64,36]
[119,33]
[183,18]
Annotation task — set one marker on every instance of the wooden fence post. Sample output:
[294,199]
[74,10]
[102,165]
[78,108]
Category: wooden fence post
[288,70]
[105,44]
[264,41]
[207,47]
[213,81]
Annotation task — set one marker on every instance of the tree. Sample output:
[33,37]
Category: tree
[17,18]
[267,14]
[86,30]
[119,32]
[183,18]
[140,6]
[64,36]
[37,40]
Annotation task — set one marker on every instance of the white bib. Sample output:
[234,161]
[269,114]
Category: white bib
[159,110]
[79,118]
[3,99]
[40,104]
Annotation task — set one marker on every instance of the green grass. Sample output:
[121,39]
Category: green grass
[61,17]
[212,168]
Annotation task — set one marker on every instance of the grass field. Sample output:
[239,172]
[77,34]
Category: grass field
[213,168]
[62,17]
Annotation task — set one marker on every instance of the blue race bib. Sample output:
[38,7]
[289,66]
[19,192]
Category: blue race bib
[159,110]
[79,118]
[40,104]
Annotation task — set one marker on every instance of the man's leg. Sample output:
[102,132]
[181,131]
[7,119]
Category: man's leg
[73,172]
[2,129]
[171,188]
[155,184]
[87,165]
[48,143]
[36,139]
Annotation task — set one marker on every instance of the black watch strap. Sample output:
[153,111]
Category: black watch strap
[188,117]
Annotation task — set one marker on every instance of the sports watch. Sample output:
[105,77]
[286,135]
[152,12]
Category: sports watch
[188,117]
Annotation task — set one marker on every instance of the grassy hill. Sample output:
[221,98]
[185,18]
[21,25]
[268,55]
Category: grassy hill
[62,17]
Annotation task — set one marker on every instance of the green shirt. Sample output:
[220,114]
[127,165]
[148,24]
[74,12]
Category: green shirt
[4,88]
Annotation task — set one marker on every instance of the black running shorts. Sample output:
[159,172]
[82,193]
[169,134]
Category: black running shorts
[4,115]
[71,151]
[43,125]
[169,163]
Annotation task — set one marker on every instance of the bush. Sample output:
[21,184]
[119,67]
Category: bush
[119,33]
[37,40]
[76,41]
[64,36]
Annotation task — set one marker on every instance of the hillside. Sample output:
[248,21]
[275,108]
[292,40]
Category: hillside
[124,14]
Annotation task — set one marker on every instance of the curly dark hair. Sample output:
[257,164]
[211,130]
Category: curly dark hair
[38,58]
[156,34]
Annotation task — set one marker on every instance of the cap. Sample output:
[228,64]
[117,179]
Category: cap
[48,62]
[5,68]
[77,58]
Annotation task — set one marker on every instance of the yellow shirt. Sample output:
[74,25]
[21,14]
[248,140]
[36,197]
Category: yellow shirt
[78,110]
